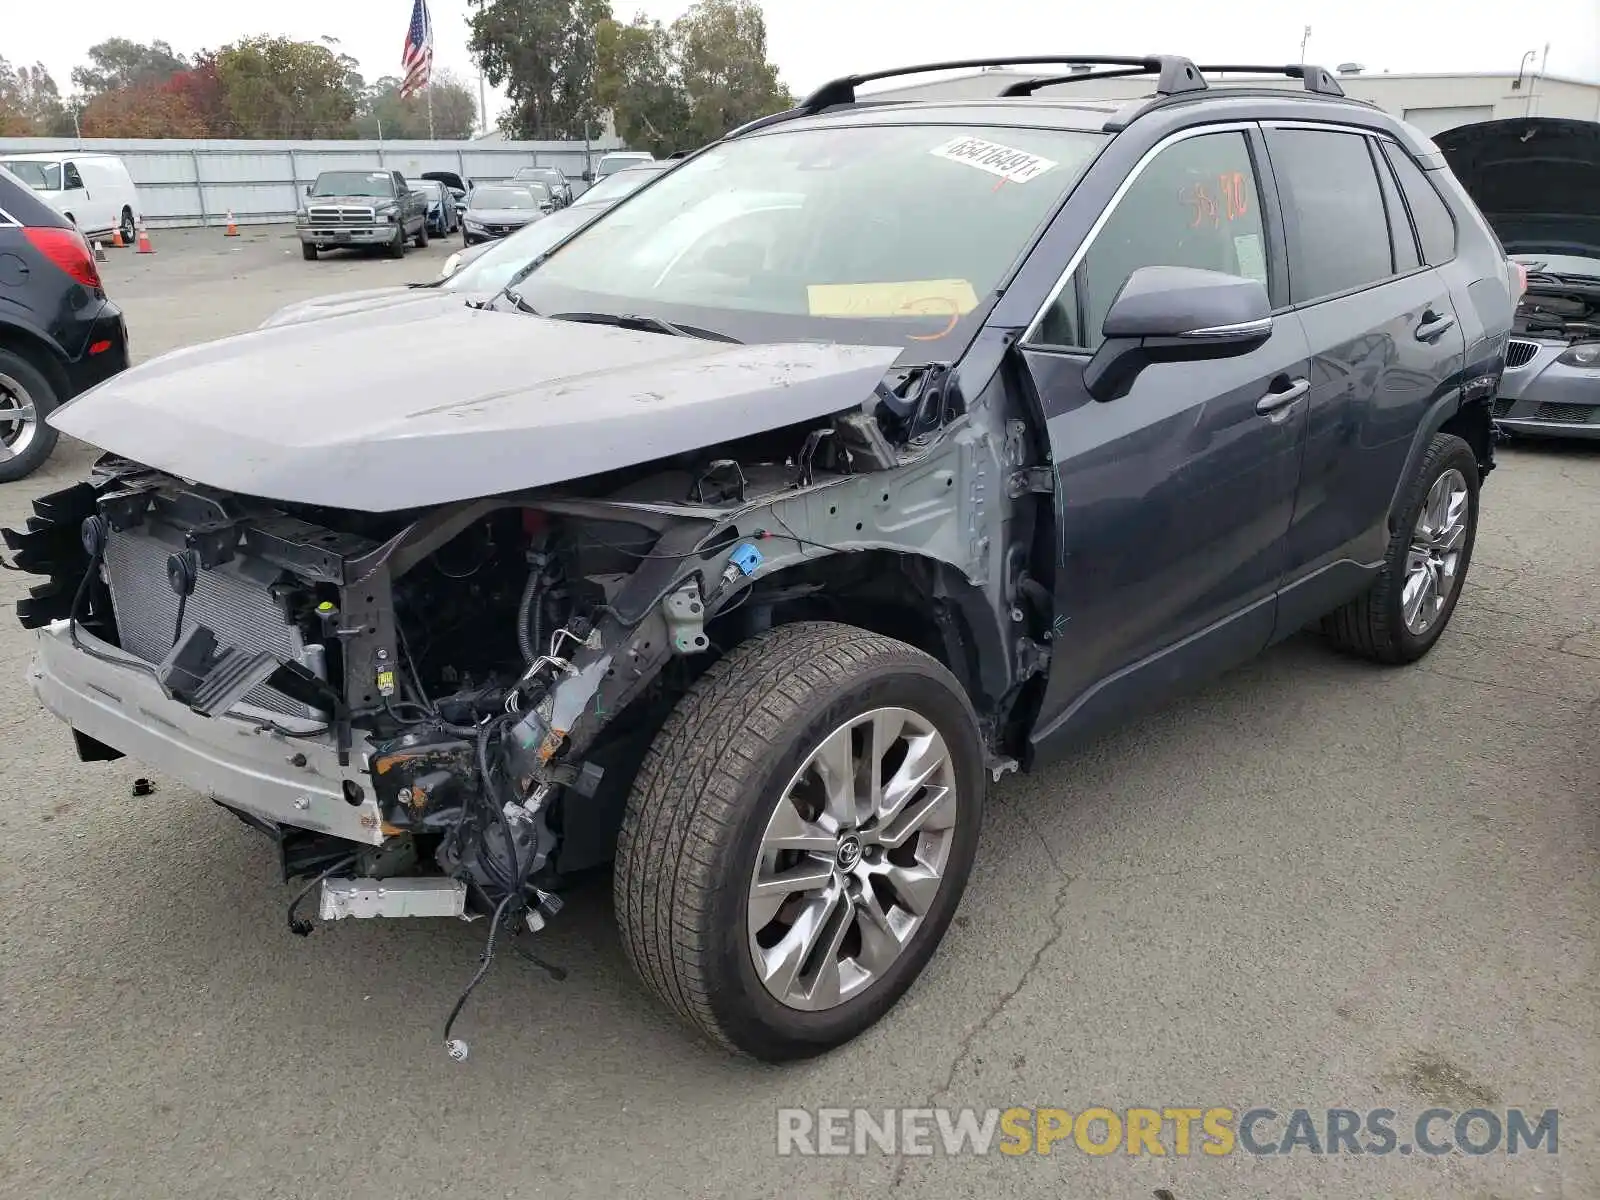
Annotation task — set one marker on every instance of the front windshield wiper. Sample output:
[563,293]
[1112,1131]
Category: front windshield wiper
[522,305]
[635,321]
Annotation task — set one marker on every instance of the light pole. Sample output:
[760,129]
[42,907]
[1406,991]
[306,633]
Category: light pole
[1304,38]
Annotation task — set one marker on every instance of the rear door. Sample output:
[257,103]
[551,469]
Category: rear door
[1386,345]
[1173,501]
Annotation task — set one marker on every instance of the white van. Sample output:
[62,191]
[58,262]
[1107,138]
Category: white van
[94,191]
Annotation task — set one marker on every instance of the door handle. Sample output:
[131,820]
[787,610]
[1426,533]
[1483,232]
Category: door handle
[1277,401]
[1433,325]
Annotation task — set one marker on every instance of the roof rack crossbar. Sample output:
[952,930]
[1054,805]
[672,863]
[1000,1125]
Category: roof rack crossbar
[1026,87]
[1315,78]
[1174,74]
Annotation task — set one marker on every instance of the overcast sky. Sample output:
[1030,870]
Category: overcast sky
[814,40]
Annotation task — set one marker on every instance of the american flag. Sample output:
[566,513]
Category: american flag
[418,60]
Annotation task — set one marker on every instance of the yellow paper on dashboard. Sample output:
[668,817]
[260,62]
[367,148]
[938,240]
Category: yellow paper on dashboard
[912,298]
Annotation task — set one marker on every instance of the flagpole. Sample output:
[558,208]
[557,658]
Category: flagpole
[430,106]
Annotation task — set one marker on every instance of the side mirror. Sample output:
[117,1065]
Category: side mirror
[588,176]
[1176,314]
[309,186]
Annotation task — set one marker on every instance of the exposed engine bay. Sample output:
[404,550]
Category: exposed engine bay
[491,672]
[1568,311]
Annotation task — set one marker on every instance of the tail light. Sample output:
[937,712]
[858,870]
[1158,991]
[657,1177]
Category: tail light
[1519,279]
[67,249]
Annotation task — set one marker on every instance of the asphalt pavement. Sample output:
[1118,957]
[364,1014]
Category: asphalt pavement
[1314,884]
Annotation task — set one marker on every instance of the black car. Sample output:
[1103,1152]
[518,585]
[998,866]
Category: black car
[58,332]
[754,529]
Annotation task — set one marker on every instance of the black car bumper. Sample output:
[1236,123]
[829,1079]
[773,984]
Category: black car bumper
[105,352]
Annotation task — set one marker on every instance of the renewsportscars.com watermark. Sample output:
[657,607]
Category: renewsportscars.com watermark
[1179,1131]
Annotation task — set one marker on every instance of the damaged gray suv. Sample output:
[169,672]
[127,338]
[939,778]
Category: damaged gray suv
[874,452]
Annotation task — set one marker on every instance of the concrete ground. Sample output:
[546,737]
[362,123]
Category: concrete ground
[1314,884]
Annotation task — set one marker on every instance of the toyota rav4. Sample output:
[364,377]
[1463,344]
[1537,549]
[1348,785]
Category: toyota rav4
[755,527]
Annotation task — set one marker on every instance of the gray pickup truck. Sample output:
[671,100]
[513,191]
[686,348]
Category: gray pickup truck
[361,208]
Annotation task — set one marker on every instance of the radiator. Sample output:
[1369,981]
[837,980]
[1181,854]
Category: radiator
[232,600]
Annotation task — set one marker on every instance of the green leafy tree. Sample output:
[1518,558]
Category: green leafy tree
[30,103]
[544,53]
[721,51]
[637,81]
[275,87]
[384,114]
[118,63]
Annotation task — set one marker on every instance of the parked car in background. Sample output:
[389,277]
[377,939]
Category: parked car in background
[556,181]
[1537,181]
[873,452]
[610,164]
[93,191]
[458,186]
[582,210]
[59,335]
[361,208]
[496,209]
[443,217]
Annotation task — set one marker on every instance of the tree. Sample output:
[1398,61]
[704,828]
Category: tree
[544,52]
[201,90]
[118,63]
[384,114]
[145,110]
[274,87]
[721,49]
[637,81]
[30,103]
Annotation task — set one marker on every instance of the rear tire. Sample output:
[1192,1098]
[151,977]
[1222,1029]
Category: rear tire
[422,236]
[730,768]
[308,252]
[129,230]
[1407,608]
[24,386]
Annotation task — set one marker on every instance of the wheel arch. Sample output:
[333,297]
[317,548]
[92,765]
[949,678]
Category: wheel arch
[39,349]
[914,598]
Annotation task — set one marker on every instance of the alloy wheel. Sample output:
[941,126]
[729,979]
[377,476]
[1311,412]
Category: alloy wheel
[1433,562]
[18,416]
[852,858]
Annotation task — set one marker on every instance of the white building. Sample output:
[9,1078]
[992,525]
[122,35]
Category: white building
[1433,103]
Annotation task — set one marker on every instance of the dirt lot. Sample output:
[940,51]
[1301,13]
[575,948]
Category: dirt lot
[1315,884]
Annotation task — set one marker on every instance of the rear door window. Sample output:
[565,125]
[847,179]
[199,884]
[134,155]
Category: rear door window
[1338,231]
[1406,256]
[1197,204]
[1435,226]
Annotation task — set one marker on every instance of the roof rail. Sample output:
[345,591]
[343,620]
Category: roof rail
[1026,87]
[1174,74]
[1315,78]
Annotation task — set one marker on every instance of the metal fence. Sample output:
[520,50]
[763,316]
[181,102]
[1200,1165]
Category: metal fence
[182,182]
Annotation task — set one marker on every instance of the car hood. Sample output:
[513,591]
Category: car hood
[420,404]
[503,216]
[341,303]
[1537,180]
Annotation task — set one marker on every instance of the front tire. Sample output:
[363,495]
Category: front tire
[308,252]
[27,397]
[798,837]
[397,248]
[1408,607]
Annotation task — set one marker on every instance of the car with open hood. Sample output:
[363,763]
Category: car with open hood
[749,533]
[1537,181]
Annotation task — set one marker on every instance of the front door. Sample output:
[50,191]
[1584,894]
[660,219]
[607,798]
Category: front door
[1173,501]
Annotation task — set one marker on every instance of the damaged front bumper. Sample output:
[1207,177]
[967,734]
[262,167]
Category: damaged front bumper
[297,782]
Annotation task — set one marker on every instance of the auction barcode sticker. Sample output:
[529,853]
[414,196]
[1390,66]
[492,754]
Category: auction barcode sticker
[1009,163]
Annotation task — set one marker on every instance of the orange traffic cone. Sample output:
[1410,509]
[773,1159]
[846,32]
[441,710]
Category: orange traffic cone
[116,238]
[232,230]
[144,240]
